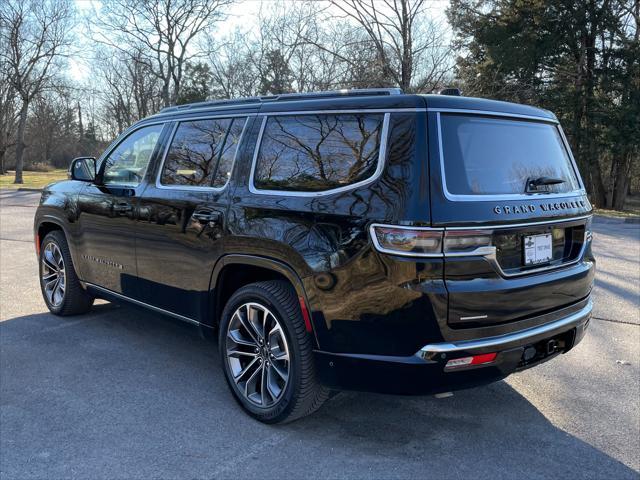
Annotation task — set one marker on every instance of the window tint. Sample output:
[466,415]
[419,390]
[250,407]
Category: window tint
[311,153]
[127,164]
[484,155]
[201,153]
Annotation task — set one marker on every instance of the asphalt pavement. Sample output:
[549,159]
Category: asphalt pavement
[125,393]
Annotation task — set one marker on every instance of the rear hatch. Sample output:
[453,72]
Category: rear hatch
[506,190]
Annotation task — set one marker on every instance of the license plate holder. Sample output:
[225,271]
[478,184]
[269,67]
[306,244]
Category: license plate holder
[537,249]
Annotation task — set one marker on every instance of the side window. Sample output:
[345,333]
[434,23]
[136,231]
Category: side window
[128,162]
[312,153]
[202,152]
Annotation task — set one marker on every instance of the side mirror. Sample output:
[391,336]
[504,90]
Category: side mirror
[83,169]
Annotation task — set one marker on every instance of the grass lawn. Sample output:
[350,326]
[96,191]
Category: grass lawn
[33,179]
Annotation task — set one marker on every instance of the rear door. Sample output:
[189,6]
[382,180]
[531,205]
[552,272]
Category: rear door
[183,214]
[515,213]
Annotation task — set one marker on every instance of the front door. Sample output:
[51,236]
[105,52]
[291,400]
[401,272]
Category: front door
[107,213]
[182,215]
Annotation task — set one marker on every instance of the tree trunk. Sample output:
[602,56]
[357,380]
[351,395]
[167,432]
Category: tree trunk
[2,152]
[621,183]
[20,141]
[166,95]
[80,125]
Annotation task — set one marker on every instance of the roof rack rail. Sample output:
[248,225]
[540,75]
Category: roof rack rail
[285,97]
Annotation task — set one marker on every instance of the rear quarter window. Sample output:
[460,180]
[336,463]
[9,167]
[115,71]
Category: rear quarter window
[490,155]
[318,152]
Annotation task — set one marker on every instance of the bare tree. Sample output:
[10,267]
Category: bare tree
[232,68]
[8,112]
[159,32]
[411,47]
[37,34]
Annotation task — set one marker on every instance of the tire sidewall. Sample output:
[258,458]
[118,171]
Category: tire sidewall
[57,239]
[255,294]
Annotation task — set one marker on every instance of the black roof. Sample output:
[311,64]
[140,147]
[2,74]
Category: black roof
[354,99]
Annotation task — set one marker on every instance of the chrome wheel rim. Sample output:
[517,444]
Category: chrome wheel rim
[53,274]
[257,354]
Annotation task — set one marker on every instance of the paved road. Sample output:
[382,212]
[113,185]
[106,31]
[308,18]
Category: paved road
[121,393]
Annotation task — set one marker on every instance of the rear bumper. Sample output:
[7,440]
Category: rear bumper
[424,372]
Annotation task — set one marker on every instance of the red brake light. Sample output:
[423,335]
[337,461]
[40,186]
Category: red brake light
[469,361]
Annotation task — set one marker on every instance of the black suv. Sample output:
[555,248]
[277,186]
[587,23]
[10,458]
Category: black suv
[359,239]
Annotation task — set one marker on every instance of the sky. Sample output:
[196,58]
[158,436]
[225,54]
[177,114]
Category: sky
[242,14]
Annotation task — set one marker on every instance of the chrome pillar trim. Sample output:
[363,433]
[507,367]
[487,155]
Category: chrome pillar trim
[520,337]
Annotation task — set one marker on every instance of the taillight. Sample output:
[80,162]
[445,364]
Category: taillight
[37,242]
[431,242]
[588,234]
[418,242]
[462,242]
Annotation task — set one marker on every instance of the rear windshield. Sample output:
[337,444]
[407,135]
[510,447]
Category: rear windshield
[488,156]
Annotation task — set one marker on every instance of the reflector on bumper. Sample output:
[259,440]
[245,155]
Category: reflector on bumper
[469,361]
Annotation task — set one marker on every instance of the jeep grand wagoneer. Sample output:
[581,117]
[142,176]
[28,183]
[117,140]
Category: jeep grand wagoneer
[359,239]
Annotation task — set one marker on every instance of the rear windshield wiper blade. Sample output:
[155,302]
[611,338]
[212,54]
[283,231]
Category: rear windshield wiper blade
[534,183]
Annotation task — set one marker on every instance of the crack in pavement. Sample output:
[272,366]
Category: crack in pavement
[616,321]
[15,240]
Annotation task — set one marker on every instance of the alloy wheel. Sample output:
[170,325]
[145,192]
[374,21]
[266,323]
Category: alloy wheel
[53,274]
[257,354]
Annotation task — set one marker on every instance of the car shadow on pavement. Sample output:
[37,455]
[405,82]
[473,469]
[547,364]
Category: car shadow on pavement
[125,393]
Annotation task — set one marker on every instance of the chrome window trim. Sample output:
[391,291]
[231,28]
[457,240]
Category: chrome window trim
[158,183]
[455,197]
[380,248]
[382,155]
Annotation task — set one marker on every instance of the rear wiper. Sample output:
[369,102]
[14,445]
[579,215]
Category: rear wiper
[534,183]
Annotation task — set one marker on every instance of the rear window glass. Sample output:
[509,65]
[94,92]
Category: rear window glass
[485,156]
[201,153]
[311,153]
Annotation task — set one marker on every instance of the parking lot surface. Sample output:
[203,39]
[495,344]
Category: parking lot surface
[124,393]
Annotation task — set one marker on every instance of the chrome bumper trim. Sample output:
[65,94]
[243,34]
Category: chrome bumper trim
[521,336]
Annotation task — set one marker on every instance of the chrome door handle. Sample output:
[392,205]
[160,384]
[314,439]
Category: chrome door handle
[122,207]
[206,216]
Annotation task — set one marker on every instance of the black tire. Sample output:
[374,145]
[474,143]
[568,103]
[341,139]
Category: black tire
[303,394]
[75,299]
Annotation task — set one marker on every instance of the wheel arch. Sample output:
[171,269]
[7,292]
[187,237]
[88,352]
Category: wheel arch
[46,224]
[233,271]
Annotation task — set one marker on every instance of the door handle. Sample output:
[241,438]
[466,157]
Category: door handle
[206,216]
[122,207]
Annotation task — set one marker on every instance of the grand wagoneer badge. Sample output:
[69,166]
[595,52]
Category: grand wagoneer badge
[545,207]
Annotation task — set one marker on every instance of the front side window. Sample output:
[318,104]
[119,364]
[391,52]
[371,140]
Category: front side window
[128,162]
[313,153]
[202,152]
[488,156]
